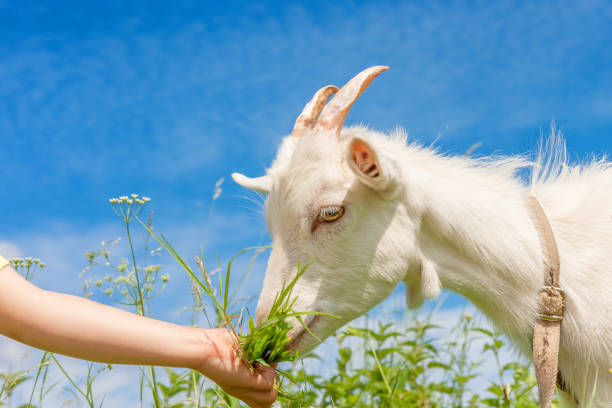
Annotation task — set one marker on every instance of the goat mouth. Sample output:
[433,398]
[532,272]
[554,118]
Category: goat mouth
[298,337]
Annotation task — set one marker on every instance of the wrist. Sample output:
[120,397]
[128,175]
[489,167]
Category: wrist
[202,349]
[218,353]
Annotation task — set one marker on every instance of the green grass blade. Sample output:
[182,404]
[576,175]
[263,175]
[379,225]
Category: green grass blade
[380,369]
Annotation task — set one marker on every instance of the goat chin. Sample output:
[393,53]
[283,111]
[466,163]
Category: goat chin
[302,341]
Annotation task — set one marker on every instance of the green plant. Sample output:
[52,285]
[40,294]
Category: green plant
[9,382]
[26,267]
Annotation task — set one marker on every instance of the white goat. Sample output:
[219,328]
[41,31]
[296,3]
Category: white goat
[369,211]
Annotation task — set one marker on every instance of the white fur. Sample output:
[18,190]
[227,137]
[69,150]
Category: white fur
[457,222]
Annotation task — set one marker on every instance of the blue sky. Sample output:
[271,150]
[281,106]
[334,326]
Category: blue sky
[165,98]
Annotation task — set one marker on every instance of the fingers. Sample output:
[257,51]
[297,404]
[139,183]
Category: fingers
[263,379]
[269,375]
[255,398]
[260,399]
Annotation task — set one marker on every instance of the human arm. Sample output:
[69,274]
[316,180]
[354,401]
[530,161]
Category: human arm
[81,328]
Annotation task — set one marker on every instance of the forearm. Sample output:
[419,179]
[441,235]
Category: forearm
[88,330]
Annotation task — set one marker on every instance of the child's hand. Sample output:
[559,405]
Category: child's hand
[222,365]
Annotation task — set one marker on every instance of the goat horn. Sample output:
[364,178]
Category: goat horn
[312,109]
[334,114]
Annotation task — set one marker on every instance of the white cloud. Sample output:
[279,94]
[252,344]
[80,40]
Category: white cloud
[13,354]
[117,387]
[9,250]
[62,247]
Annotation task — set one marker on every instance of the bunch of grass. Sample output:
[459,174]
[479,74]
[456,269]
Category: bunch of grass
[266,343]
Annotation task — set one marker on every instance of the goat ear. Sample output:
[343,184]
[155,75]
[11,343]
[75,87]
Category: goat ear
[428,287]
[367,166]
[262,184]
[363,160]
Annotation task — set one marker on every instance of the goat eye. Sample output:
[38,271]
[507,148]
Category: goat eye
[331,214]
